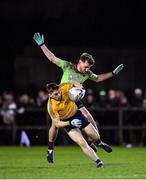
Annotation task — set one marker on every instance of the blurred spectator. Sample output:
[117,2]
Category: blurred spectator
[41,98]
[137,99]
[144,100]
[24,101]
[144,103]
[8,108]
[8,112]
[113,100]
[102,101]
[90,101]
[135,118]
[123,101]
[1,102]
[89,92]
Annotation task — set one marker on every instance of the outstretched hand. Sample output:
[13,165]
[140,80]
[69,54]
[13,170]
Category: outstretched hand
[118,69]
[39,39]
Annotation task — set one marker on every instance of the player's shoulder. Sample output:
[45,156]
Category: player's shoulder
[65,63]
[52,105]
[89,73]
[65,85]
[51,102]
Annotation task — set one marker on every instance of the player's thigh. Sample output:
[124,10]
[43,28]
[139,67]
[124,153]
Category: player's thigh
[91,131]
[88,116]
[77,137]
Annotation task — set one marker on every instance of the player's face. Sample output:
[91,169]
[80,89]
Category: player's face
[83,67]
[56,95]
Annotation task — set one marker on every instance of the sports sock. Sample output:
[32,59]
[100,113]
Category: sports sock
[99,142]
[50,146]
[98,161]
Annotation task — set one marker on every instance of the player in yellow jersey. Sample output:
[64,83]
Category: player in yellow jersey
[64,108]
[65,114]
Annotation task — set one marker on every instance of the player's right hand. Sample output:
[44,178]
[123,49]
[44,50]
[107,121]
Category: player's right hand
[39,39]
[118,69]
[76,123]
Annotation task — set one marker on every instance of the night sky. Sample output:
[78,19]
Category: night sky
[100,24]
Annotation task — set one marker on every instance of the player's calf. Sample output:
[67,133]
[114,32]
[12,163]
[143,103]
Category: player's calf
[93,146]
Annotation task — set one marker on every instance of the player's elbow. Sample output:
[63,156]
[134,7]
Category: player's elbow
[52,59]
[57,124]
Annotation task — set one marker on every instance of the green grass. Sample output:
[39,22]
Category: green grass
[71,163]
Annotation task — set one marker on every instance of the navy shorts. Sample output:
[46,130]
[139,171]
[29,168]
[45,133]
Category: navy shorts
[80,116]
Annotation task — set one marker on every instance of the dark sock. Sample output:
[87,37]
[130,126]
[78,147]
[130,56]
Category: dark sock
[98,161]
[50,145]
[98,142]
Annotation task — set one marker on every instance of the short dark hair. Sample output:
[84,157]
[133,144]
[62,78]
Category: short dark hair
[87,57]
[51,87]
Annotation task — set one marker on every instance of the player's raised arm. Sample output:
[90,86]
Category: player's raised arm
[39,39]
[105,76]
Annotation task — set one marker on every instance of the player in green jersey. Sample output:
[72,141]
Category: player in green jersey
[78,73]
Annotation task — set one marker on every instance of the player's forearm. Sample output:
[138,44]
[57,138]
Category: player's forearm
[60,124]
[103,77]
[39,39]
[47,52]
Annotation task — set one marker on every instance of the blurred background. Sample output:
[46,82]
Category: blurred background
[113,32]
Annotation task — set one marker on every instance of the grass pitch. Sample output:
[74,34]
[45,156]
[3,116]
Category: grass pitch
[71,163]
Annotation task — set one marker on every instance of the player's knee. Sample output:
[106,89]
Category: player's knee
[95,136]
[98,136]
[82,143]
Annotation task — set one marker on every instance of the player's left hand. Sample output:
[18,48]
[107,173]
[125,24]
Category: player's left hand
[118,69]
[39,39]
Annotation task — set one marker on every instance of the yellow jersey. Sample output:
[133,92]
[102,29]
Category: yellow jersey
[65,108]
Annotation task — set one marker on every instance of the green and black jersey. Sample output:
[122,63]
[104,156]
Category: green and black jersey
[70,73]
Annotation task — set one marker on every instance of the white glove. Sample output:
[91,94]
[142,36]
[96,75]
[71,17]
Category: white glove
[76,123]
[118,69]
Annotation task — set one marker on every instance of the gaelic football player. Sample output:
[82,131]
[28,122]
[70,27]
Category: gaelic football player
[78,73]
[64,113]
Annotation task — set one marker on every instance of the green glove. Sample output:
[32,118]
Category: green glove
[118,69]
[39,39]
